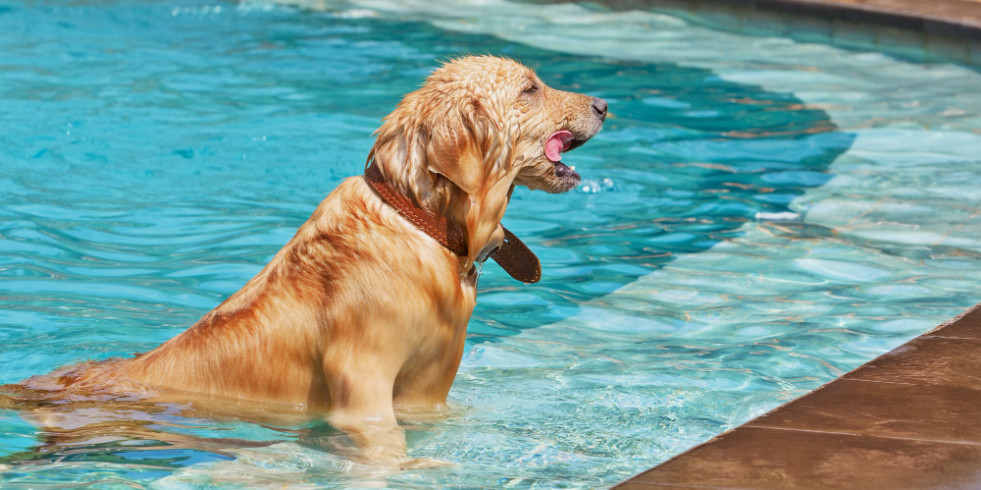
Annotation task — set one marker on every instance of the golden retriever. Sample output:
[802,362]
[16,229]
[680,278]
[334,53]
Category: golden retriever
[363,313]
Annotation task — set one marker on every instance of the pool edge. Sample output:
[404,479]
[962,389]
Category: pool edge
[902,420]
[944,31]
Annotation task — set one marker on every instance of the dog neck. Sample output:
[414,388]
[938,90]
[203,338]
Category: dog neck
[513,256]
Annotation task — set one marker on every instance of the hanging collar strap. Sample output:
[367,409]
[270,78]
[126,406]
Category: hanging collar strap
[513,256]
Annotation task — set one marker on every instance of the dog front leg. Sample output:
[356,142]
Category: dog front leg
[380,441]
[361,406]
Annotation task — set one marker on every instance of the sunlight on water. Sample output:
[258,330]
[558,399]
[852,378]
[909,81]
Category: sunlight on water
[757,217]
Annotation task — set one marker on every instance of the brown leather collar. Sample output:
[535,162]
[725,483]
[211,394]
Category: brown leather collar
[513,255]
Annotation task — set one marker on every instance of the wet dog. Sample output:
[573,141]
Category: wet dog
[364,312]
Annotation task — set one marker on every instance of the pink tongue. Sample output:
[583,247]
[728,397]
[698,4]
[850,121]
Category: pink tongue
[556,144]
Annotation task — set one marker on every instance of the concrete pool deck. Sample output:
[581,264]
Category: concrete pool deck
[957,17]
[908,419]
[942,30]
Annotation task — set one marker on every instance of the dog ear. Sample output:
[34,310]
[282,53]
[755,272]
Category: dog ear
[459,146]
[465,148]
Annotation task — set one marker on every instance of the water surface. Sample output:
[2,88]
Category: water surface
[757,217]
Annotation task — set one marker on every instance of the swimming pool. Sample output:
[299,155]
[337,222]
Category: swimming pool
[759,216]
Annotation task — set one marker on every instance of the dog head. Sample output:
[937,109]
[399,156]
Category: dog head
[477,127]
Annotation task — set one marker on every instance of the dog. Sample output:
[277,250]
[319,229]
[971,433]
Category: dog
[364,311]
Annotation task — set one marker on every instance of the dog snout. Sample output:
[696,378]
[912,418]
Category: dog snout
[599,107]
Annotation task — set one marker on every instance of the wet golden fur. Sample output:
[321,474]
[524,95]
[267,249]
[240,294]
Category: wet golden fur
[361,313]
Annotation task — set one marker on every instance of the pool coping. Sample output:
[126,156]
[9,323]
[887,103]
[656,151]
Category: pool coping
[949,17]
[942,30]
[906,419]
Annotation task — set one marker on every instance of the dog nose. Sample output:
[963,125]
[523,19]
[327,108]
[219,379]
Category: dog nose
[599,107]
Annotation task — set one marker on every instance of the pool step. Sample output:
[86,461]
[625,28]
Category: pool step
[908,419]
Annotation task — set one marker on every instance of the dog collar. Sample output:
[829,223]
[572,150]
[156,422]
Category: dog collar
[513,256]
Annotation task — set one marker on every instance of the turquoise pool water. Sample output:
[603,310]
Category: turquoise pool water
[757,217]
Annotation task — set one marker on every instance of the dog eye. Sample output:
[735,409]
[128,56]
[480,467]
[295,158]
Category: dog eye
[531,90]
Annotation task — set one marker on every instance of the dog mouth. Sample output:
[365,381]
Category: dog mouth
[560,142]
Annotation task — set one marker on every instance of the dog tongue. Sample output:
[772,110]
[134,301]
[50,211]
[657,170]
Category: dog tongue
[556,144]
